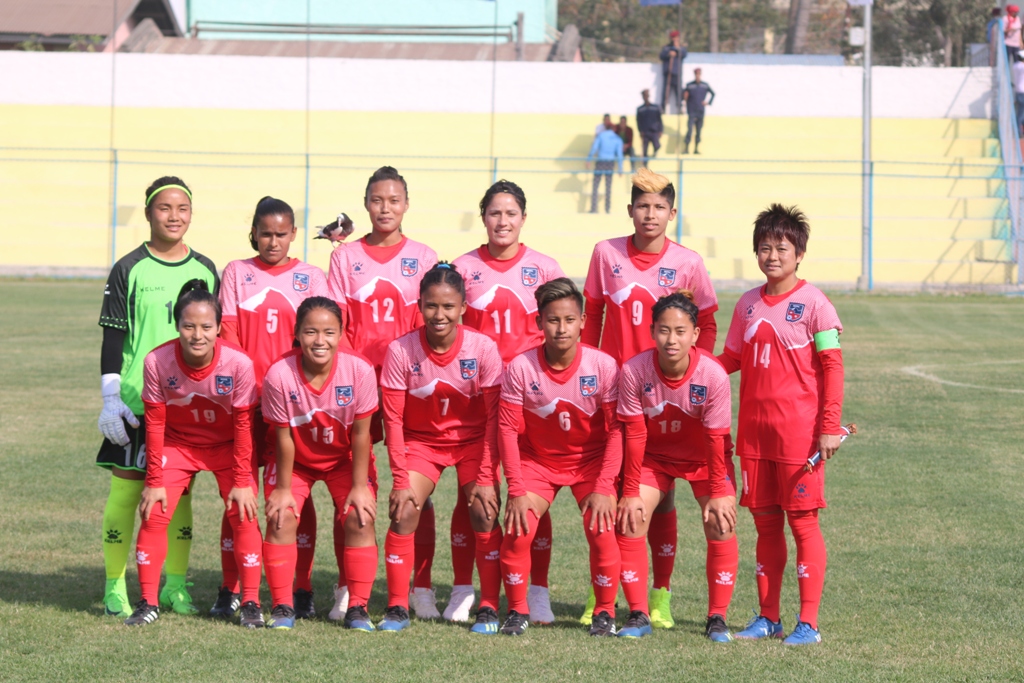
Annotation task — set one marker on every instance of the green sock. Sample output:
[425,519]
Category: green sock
[179,542]
[119,524]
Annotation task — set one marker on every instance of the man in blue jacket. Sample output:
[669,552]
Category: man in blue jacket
[695,93]
[607,149]
[672,56]
[649,125]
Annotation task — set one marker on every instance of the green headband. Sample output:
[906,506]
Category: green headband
[167,187]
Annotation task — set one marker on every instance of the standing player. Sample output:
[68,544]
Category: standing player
[320,399]
[784,338]
[376,282]
[136,318]
[558,428]
[440,385]
[259,297]
[501,278]
[627,276]
[682,394]
[199,394]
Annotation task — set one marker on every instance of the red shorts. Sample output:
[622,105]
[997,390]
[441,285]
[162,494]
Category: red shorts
[767,483]
[662,475]
[338,480]
[431,461]
[546,481]
[181,462]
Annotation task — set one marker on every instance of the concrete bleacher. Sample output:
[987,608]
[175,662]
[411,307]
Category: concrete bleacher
[939,214]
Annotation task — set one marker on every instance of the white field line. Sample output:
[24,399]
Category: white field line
[919,371]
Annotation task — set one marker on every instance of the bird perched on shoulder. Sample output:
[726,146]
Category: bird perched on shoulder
[337,230]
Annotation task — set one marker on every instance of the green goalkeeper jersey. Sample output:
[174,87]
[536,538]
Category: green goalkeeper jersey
[139,299]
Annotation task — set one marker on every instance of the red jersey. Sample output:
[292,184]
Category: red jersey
[200,404]
[781,377]
[500,296]
[380,288]
[259,304]
[678,412]
[444,392]
[628,282]
[320,420]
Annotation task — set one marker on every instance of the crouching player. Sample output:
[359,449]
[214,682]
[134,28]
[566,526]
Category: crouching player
[784,338]
[440,387]
[199,393]
[320,398]
[682,393]
[558,427]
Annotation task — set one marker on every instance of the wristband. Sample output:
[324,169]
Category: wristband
[110,384]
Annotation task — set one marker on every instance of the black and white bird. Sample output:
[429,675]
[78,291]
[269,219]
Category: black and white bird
[337,230]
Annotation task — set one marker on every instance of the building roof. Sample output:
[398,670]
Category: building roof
[82,17]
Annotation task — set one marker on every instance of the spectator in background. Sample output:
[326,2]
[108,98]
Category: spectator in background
[648,124]
[1017,71]
[607,149]
[694,94]
[992,31]
[606,122]
[626,133]
[1011,33]
[672,56]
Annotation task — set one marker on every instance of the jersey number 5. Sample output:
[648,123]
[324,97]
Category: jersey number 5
[271,320]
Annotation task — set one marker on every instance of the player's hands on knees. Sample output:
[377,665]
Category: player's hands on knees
[362,500]
[488,497]
[150,499]
[631,514]
[278,503]
[245,499]
[722,513]
[397,501]
[602,510]
[517,515]
[828,444]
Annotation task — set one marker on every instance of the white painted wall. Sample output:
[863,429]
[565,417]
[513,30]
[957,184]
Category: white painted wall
[200,81]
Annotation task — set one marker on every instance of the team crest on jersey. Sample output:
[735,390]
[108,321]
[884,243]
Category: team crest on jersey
[588,385]
[531,276]
[225,384]
[410,266]
[666,277]
[794,312]
[698,394]
[468,368]
[343,395]
[300,282]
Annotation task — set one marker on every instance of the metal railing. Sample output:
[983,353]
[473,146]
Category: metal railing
[1009,142]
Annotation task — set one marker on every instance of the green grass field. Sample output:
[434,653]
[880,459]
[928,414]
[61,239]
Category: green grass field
[923,530]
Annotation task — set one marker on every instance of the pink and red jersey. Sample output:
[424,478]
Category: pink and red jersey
[500,296]
[563,410]
[781,377]
[444,403]
[320,420]
[259,304]
[379,287]
[200,404]
[678,412]
[628,282]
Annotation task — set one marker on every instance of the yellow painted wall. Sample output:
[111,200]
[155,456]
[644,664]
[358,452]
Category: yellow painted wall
[946,228]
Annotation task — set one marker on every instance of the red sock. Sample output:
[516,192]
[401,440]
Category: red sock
[723,559]
[515,566]
[228,566]
[811,559]
[399,551]
[339,547]
[305,544]
[463,543]
[150,553]
[605,567]
[424,553]
[360,570]
[540,552]
[771,560]
[248,549]
[279,565]
[662,535]
[634,572]
[488,562]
